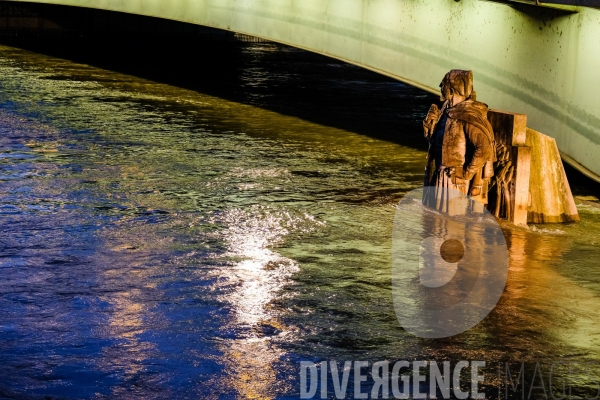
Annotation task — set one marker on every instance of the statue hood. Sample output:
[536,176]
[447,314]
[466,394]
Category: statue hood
[460,81]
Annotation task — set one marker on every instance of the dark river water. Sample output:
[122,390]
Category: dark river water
[198,238]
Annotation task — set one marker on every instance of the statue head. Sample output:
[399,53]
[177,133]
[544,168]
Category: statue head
[457,83]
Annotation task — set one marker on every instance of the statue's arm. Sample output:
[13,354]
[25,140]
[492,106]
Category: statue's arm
[430,122]
[482,153]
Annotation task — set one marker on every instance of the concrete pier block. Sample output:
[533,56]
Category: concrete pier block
[551,199]
[536,189]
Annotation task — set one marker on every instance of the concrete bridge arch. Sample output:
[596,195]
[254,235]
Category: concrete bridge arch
[541,61]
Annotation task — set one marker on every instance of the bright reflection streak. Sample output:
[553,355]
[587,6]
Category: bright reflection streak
[261,273]
[258,277]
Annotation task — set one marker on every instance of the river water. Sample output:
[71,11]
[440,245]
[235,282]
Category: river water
[164,240]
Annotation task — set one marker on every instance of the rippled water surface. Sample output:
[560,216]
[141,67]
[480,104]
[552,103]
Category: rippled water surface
[162,242]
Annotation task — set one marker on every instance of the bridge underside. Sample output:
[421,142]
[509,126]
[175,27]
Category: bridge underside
[541,61]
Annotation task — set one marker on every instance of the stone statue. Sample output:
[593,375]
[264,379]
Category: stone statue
[461,142]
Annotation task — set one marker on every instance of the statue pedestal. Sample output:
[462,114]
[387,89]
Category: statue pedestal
[530,184]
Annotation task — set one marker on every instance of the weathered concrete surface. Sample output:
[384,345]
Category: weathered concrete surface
[538,61]
[550,198]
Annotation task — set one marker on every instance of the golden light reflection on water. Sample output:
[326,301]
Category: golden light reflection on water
[125,324]
[128,281]
[560,310]
[251,369]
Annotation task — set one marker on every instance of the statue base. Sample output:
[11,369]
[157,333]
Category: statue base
[530,184]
